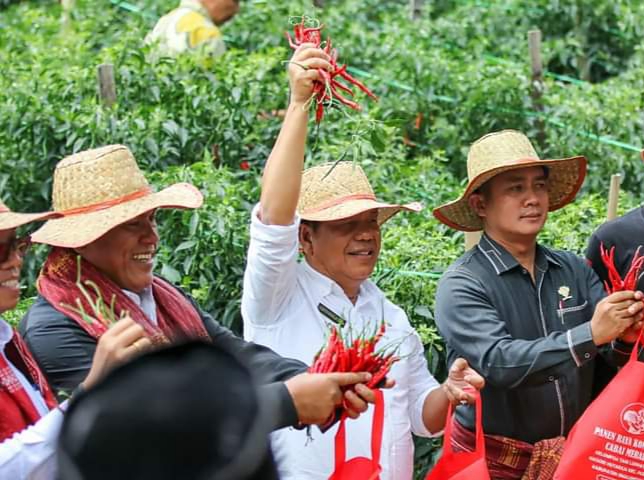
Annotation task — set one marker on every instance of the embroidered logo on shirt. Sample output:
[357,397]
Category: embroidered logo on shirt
[564,291]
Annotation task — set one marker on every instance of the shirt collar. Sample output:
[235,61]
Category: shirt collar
[6,334]
[326,286]
[196,6]
[503,261]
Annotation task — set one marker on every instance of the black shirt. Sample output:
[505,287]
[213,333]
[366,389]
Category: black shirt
[531,341]
[64,352]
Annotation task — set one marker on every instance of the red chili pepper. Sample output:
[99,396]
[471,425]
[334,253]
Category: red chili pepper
[615,283]
[244,165]
[324,91]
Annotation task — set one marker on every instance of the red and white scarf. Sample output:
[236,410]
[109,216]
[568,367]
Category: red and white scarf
[17,411]
[177,319]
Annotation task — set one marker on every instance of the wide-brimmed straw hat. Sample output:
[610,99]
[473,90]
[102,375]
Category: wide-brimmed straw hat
[333,191]
[99,189]
[506,150]
[10,220]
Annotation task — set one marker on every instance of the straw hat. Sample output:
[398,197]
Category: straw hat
[333,191]
[506,150]
[97,190]
[10,220]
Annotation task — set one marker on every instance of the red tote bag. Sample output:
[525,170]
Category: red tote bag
[360,468]
[607,442]
[462,465]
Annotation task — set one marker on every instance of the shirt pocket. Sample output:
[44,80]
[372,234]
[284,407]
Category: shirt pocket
[574,315]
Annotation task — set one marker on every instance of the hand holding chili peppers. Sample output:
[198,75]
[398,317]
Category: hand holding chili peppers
[326,88]
[615,283]
[304,71]
[623,305]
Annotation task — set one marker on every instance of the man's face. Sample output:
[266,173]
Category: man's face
[221,11]
[515,203]
[126,253]
[344,250]
[10,265]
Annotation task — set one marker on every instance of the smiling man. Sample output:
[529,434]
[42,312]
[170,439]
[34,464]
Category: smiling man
[331,213]
[106,236]
[533,321]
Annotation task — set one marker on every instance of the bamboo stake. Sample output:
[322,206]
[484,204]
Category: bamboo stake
[106,84]
[613,196]
[415,7]
[536,92]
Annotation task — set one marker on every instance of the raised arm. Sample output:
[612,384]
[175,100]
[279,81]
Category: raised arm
[283,172]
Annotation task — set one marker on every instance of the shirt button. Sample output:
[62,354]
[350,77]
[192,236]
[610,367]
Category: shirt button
[524,271]
[551,378]
[586,355]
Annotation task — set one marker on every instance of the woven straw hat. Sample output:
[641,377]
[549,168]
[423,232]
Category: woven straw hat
[506,150]
[333,191]
[97,190]
[10,220]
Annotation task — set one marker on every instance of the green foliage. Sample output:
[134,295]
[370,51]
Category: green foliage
[204,251]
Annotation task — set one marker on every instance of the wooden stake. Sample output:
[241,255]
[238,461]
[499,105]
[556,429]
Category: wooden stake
[536,92]
[415,7]
[472,239]
[613,196]
[106,84]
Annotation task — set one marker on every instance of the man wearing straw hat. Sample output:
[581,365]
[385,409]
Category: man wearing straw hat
[532,320]
[101,266]
[29,419]
[331,213]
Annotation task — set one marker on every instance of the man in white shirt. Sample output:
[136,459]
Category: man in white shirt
[30,420]
[289,306]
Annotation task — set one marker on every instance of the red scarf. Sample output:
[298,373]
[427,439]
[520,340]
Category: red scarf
[17,411]
[511,459]
[177,319]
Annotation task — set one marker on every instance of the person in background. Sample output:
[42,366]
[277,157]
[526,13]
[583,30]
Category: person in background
[30,416]
[194,24]
[532,320]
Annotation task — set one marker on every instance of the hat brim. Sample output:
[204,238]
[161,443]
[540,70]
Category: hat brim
[82,229]
[10,220]
[566,175]
[355,207]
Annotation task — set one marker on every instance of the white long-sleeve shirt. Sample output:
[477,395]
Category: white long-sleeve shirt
[280,310]
[29,454]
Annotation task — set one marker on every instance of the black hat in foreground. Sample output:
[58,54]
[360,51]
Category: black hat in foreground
[185,412]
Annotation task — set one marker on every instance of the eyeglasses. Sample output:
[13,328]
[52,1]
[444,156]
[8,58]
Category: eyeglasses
[19,245]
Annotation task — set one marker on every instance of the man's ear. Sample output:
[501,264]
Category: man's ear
[476,201]
[306,242]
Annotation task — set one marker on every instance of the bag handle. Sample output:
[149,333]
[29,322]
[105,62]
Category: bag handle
[480,437]
[376,434]
[636,345]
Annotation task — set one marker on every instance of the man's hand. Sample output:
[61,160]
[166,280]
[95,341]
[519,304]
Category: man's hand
[121,343]
[461,381]
[615,316]
[355,402]
[316,395]
[303,71]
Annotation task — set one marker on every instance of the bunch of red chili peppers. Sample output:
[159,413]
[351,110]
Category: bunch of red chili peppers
[359,355]
[325,92]
[615,283]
